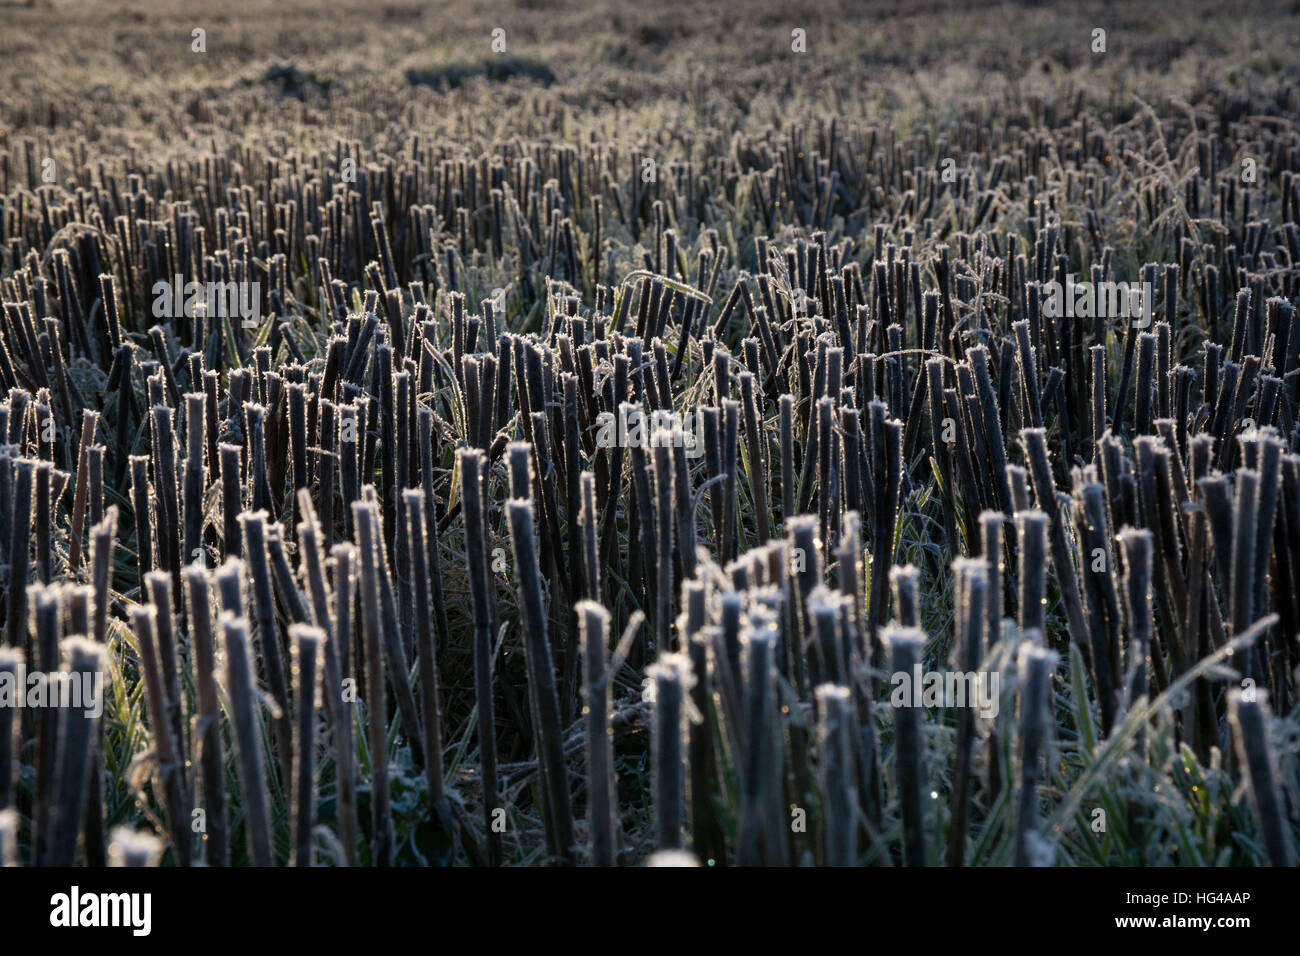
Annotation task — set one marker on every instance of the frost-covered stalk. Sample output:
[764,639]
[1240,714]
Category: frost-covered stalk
[1269,467]
[102,542]
[907,608]
[326,470]
[824,610]
[313,572]
[77,732]
[707,837]
[1250,729]
[712,419]
[259,489]
[858,653]
[665,518]
[8,838]
[785,427]
[805,567]
[244,708]
[89,419]
[1159,509]
[671,675]
[570,456]
[194,478]
[166,489]
[44,523]
[1035,668]
[727,656]
[397,651]
[601,792]
[643,529]
[343,563]
[366,519]
[1031,527]
[885,449]
[1241,591]
[971,584]
[685,504]
[552,551]
[587,522]
[906,646]
[208,732]
[12,672]
[1098,357]
[425,430]
[851,455]
[298,434]
[827,474]
[756,439]
[95,464]
[941,450]
[470,461]
[78,598]
[232,494]
[1103,603]
[997,455]
[1035,442]
[1018,478]
[835,732]
[1146,343]
[762,834]
[128,848]
[291,598]
[19,554]
[848,577]
[548,731]
[259,566]
[431,708]
[1136,545]
[991,537]
[306,642]
[230,586]
[730,452]
[352,423]
[48,600]
[160,595]
[170,769]
[1216,494]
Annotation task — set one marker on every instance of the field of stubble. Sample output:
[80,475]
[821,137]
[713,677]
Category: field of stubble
[560,433]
